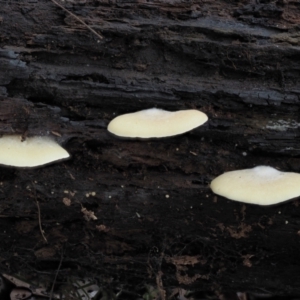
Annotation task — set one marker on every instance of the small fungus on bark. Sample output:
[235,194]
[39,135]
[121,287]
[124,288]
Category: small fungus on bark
[262,185]
[156,123]
[32,152]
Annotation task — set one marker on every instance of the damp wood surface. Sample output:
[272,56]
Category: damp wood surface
[135,213]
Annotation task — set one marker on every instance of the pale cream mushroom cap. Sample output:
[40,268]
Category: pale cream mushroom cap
[32,152]
[156,123]
[261,185]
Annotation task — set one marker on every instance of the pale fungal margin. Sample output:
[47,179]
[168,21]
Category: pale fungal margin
[156,123]
[32,152]
[261,185]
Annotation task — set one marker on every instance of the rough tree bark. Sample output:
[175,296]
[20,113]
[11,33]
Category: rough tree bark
[158,224]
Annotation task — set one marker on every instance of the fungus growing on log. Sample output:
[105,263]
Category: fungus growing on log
[262,185]
[32,152]
[156,123]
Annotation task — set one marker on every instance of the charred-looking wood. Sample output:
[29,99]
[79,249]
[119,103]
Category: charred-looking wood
[139,215]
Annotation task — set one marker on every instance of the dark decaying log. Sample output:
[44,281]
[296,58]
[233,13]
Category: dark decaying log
[158,224]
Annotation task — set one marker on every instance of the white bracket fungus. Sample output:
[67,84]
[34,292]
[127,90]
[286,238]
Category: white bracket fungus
[156,123]
[261,185]
[32,152]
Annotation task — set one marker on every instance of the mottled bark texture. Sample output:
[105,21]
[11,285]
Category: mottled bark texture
[158,224]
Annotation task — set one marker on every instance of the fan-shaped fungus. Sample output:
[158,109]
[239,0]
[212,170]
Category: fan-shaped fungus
[156,123]
[32,152]
[261,185]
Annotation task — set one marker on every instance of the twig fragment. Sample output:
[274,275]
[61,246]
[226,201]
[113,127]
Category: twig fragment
[39,214]
[40,221]
[78,19]
[88,214]
[59,266]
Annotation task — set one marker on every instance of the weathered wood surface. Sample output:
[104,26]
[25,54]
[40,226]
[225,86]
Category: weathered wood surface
[158,222]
